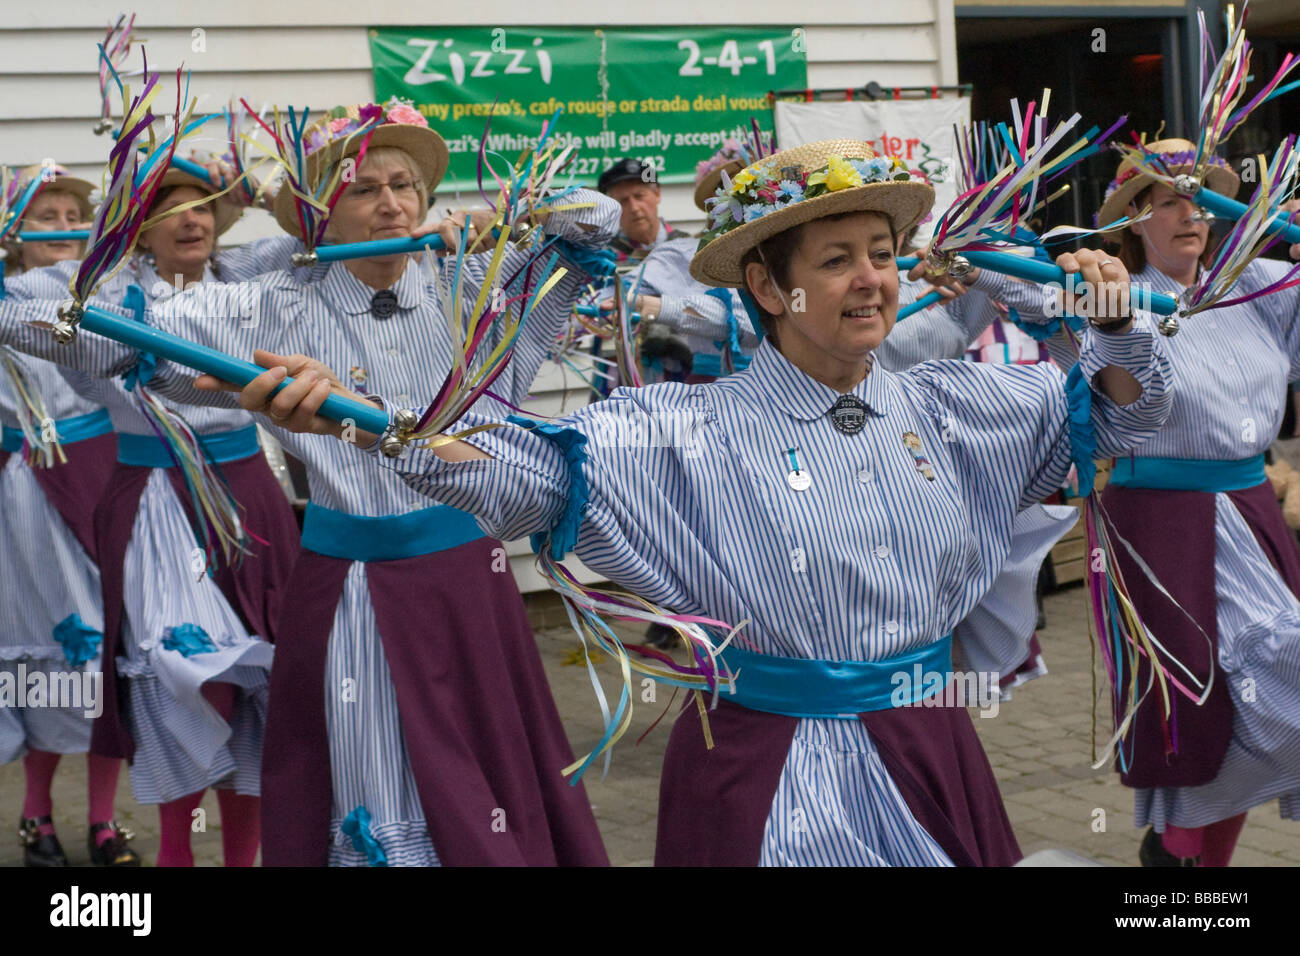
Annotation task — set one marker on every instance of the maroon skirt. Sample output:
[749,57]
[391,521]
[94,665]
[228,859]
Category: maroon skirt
[254,589]
[714,804]
[74,489]
[480,724]
[1174,532]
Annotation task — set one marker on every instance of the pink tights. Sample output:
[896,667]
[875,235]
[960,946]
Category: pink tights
[101,773]
[1213,843]
[241,816]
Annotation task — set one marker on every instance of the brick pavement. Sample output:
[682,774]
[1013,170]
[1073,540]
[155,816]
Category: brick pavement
[1038,745]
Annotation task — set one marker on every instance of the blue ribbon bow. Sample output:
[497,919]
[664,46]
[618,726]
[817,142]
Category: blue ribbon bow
[357,826]
[188,640]
[146,362]
[80,641]
[599,263]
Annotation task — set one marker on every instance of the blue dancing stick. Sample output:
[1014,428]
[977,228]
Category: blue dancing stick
[1046,273]
[35,236]
[1226,208]
[364,250]
[223,366]
[927,300]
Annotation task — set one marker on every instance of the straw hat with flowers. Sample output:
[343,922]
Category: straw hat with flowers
[799,185]
[341,134]
[1178,156]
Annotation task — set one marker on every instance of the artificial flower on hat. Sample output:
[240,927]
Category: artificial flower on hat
[798,185]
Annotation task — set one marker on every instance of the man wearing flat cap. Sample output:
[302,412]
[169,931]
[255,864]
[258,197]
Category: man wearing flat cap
[635,187]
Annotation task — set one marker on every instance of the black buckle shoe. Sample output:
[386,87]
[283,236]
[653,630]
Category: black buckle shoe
[40,849]
[1152,852]
[115,851]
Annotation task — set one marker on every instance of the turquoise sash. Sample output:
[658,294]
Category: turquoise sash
[337,534]
[798,687]
[70,430]
[1188,474]
[148,451]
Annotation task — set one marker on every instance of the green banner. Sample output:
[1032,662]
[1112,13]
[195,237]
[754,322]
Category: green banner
[669,98]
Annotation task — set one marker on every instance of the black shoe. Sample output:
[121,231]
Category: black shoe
[115,851]
[1152,852]
[40,849]
[664,638]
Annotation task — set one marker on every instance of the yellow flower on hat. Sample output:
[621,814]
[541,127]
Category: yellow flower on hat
[840,174]
[742,180]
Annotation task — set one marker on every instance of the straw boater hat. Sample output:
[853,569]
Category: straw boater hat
[80,189]
[1179,155]
[798,185]
[333,139]
[732,157]
[224,214]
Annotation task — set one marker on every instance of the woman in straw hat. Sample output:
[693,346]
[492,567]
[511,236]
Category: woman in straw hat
[410,722]
[186,657]
[50,481]
[849,514]
[1195,505]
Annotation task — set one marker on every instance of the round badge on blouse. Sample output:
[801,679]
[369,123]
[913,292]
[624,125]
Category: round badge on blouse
[383,304]
[849,414]
[799,480]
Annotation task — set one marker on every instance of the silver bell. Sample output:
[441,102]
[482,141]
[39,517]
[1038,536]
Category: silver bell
[391,445]
[65,332]
[103,126]
[304,258]
[936,263]
[1168,325]
[1186,184]
[65,329]
[959,267]
[405,420]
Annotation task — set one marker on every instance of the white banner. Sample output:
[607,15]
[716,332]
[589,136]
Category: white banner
[920,132]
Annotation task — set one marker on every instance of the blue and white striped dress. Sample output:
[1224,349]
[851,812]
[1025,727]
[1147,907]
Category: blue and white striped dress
[1233,366]
[689,507]
[404,357]
[45,576]
[182,743]
[995,636]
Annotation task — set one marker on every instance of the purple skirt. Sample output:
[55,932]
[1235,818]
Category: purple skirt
[714,804]
[480,724]
[254,589]
[1173,531]
[74,489]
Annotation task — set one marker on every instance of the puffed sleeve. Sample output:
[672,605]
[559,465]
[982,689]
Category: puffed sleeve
[1008,427]
[31,307]
[610,477]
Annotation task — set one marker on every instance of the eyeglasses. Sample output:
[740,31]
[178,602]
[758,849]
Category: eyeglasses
[370,190]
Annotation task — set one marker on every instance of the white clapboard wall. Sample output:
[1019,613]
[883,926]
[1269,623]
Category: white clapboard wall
[298,53]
